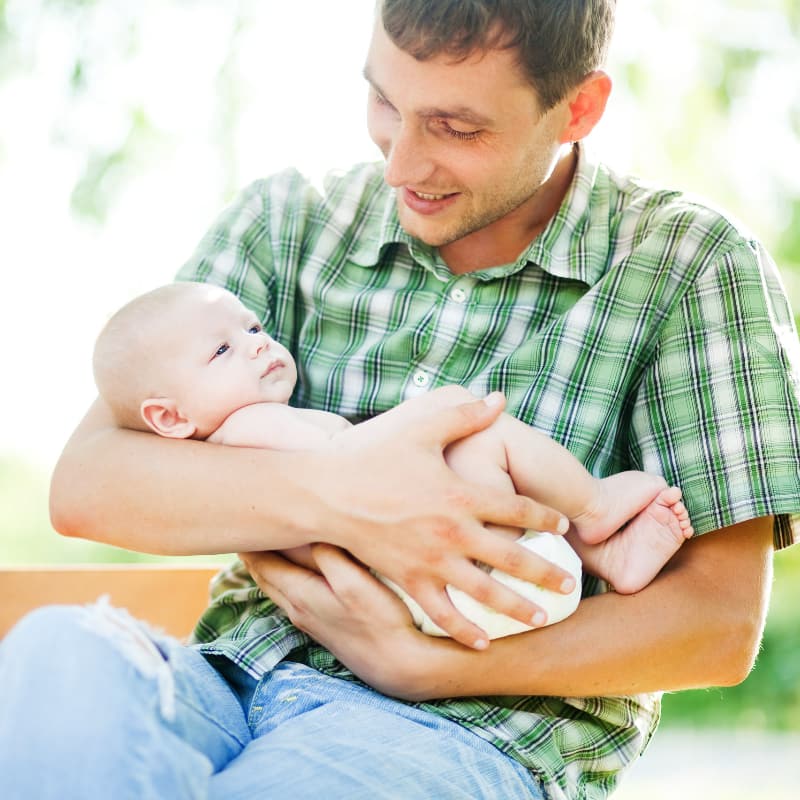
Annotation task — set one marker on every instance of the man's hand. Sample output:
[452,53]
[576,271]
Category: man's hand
[344,608]
[395,505]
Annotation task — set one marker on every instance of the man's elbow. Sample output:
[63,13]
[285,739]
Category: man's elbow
[61,520]
[65,505]
[742,647]
[736,596]
[738,639]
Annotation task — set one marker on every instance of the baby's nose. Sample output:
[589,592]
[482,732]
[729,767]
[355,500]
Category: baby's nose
[260,342]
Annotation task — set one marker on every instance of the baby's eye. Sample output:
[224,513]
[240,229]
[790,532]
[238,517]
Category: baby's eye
[221,350]
[255,328]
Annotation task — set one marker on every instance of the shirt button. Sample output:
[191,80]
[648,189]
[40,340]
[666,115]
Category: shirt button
[458,295]
[421,378]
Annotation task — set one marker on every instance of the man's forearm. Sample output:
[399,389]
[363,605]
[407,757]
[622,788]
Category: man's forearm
[142,492]
[698,624]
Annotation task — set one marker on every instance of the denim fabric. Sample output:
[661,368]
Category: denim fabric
[96,705]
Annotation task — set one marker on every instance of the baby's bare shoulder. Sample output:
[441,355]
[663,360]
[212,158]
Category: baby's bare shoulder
[277,426]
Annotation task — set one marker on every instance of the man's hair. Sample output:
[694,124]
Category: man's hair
[558,42]
[127,362]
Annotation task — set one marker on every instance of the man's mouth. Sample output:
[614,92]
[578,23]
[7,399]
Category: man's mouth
[427,202]
[426,196]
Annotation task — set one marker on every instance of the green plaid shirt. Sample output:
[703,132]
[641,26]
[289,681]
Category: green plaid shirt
[641,329]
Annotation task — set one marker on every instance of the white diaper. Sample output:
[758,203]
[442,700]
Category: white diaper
[557,606]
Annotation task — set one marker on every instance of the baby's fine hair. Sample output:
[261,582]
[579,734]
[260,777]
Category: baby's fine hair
[127,363]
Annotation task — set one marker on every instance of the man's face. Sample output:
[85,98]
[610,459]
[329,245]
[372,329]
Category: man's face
[219,359]
[466,145]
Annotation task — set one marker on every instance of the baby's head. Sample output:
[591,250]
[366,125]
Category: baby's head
[180,359]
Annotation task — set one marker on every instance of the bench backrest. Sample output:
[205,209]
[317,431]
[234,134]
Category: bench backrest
[169,597]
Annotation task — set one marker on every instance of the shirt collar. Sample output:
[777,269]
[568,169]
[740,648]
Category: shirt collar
[367,248]
[574,245]
[576,242]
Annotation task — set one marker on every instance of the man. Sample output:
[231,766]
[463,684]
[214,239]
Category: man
[637,328]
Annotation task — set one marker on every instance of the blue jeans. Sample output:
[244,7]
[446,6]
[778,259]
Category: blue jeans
[95,705]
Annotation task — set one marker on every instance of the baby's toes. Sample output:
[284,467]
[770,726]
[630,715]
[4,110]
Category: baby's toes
[670,496]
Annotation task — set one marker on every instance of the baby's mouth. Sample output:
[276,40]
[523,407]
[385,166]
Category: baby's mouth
[271,367]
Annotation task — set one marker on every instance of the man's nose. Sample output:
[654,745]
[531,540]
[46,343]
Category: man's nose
[408,161]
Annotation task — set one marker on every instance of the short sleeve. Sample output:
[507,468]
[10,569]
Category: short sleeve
[718,411]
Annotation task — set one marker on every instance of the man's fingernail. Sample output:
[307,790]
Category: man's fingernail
[539,619]
[563,525]
[567,585]
[481,644]
[494,399]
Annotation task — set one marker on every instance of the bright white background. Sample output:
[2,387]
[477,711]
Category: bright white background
[300,100]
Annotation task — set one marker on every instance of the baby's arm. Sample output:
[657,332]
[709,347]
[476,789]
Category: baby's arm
[276,426]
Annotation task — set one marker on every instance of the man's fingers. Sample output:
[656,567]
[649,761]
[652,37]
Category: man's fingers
[451,424]
[514,559]
[281,580]
[484,589]
[355,586]
[515,511]
[437,604]
[343,574]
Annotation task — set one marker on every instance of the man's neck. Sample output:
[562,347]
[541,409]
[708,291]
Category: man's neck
[503,241]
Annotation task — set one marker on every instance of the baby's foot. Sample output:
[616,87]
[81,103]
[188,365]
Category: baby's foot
[617,499]
[632,557]
[649,540]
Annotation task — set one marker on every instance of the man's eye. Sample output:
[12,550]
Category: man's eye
[380,99]
[221,350]
[465,136]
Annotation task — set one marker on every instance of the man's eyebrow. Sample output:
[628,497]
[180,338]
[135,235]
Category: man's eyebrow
[461,112]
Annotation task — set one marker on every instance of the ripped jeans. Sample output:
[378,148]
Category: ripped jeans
[93,704]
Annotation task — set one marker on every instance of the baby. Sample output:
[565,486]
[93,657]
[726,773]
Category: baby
[189,360]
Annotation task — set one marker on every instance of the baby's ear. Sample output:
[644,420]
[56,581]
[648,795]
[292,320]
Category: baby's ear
[162,416]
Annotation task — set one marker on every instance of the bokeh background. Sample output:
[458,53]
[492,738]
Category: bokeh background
[125,127]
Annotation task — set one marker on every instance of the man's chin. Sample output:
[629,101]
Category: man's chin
[429,232]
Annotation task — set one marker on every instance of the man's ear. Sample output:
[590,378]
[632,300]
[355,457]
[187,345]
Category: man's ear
[586,106]
[162,416]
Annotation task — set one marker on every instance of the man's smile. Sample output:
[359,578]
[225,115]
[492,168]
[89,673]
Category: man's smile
[426,202]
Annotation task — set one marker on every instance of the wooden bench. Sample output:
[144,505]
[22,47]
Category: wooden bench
[168,596]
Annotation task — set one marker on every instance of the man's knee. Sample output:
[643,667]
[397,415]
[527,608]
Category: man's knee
[41,628]
[99,639]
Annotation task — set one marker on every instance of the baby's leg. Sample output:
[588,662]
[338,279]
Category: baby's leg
[631,558]
[544,470]
[658,522]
